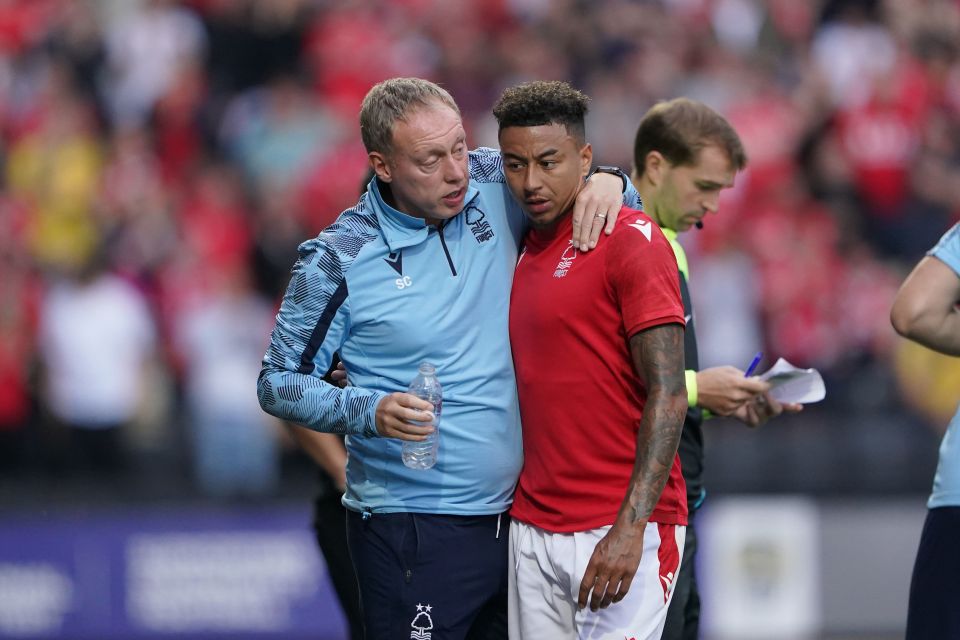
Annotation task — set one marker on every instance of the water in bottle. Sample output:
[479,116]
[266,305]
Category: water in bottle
[423,455]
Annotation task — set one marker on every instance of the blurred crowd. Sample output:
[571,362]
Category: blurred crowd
[161,160]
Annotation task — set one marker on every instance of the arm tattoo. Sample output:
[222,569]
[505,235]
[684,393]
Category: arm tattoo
[658,360]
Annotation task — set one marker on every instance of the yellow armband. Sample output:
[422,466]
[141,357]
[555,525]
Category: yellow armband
[691,379]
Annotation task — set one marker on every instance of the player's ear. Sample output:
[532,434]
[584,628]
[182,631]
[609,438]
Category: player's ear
[654,165]
[586,159]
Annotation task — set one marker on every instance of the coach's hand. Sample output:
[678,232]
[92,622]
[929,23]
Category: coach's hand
[338,377]
[596,209]
[396,414]
[612,566]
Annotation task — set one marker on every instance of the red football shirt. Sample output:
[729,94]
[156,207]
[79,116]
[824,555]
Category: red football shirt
[571,316]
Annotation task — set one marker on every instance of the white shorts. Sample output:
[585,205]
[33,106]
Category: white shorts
[546,570]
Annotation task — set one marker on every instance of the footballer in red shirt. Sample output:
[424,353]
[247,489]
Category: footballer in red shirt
[600,507]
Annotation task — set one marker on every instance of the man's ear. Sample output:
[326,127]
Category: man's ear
[654,165]
[586,159]
[380,166]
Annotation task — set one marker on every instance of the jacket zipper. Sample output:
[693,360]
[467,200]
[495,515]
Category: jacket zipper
[446,252]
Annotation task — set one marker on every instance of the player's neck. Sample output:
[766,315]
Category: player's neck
[562,224]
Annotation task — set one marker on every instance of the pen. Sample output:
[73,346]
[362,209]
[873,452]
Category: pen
[753,364]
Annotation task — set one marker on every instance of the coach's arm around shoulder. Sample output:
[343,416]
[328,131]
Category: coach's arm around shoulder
[925,308]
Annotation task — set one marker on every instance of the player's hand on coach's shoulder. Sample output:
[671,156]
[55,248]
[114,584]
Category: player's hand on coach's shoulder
[396,414]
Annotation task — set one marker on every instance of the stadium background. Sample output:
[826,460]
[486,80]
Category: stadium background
[187,147]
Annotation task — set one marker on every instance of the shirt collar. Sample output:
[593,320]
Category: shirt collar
[399,229]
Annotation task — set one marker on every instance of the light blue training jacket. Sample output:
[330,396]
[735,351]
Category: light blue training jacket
[946,484]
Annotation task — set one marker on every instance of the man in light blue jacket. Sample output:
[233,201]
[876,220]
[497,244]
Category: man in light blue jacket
[925,310]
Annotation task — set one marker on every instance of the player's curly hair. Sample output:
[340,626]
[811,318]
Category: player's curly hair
[533,104]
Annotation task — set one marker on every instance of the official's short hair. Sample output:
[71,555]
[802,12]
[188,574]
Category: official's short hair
[679,129]
[533,104]
[391,101]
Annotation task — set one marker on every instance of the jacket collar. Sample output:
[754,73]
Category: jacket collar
[399,229]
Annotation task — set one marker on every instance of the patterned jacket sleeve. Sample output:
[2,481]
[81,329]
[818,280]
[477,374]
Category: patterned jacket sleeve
[631,197]
[310,328]
[486,165]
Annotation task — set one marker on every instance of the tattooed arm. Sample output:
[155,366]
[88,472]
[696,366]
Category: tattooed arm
[658,359]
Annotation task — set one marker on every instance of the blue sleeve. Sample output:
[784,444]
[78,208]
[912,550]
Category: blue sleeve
[311,326]
[486,166]
[948,249]
[631,197]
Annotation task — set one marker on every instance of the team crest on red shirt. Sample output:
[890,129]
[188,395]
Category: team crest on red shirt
[566,261]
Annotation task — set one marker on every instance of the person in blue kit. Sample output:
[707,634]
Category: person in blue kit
[925,310]
[419,270]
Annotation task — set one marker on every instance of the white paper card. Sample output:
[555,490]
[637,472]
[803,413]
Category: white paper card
[790,384]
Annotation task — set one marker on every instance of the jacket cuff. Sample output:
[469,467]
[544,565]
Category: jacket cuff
[370,418]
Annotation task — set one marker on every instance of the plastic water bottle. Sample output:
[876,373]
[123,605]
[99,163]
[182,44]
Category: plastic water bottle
[423,455]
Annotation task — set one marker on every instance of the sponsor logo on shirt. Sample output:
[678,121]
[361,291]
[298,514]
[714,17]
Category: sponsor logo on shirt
[643,226]
[480,228]
[422,623]
[395,260]
[667,585]
[566,261]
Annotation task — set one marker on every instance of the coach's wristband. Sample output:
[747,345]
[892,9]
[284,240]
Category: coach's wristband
[612,170]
